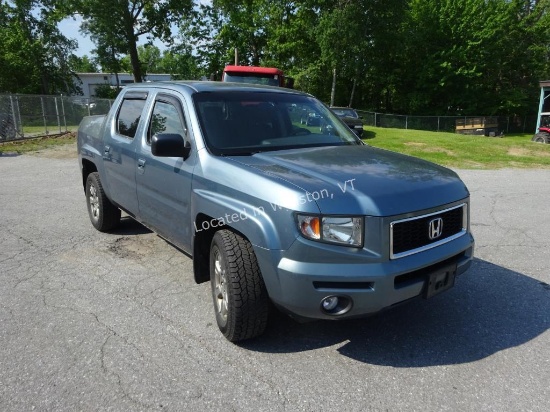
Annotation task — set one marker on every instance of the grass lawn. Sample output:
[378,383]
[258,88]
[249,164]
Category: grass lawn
[461,151]
[40,130]
[448,149]
[31,145]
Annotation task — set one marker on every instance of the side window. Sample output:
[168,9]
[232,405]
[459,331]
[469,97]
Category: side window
[128,117]
[166,118]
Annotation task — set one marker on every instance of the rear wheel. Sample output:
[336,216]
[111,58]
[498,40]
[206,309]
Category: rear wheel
[103,214]
[541,138]
[240,297]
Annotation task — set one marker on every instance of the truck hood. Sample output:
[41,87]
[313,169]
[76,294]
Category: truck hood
[361,179]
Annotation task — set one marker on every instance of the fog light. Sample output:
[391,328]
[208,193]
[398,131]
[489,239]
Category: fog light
[336,305]
[330,303]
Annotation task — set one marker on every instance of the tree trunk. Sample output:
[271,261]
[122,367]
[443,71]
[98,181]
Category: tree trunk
[333,91]
[352,93]
[131,39]
[136,64]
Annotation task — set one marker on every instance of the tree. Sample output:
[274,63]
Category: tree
[116,25]
[82,64]
[149,58]
[246,31]
[474,56]
[201,45]
[35,57]
[404,56]
[106,91]
[181,64]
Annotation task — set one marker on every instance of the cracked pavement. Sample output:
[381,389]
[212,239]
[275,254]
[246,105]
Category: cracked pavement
[112,322]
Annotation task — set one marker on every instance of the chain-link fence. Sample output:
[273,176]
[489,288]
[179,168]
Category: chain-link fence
[23,116]
[505,124]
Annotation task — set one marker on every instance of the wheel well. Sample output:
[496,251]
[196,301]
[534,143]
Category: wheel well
[204,232]
[87,168]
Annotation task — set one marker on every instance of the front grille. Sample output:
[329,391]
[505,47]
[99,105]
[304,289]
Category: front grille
[411,235]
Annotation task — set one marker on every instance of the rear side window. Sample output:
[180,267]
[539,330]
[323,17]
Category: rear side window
[128,117]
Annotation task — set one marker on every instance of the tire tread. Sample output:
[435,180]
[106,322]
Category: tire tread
[109,216]
[250,303]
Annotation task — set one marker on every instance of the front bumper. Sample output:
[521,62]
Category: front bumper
[305,275]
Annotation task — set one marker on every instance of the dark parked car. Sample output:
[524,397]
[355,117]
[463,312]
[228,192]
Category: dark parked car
[311,119]
[7,127]
[351,118]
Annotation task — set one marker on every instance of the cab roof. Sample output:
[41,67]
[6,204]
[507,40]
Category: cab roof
[209,86]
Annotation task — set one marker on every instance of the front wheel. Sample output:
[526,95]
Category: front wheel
[103,214]
[541,138]
[240,297]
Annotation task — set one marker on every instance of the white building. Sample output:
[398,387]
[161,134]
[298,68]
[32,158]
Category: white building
[91,80]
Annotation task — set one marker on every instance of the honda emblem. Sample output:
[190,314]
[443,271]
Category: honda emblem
[435,228]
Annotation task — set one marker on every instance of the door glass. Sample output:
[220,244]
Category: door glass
[128,117]
[165,119]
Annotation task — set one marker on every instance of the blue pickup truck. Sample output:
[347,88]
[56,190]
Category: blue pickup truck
[274,212]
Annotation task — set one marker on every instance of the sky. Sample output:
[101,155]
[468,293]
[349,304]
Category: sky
[69,27]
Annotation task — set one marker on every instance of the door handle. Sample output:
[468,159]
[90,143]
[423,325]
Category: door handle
[141,165]
[107,150]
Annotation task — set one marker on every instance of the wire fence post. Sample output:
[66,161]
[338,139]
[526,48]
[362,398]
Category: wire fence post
[44,115]
[63,113]
[57,114]
[12,107]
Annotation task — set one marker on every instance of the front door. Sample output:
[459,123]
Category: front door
[164,183]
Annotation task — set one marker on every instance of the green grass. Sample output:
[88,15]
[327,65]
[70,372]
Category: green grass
[39,130]
[461,151]
[448,149]
[32,145]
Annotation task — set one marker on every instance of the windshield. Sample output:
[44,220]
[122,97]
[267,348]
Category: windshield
[342,112]
[254,78]
[249,122]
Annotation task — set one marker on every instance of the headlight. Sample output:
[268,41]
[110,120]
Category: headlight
[341,230]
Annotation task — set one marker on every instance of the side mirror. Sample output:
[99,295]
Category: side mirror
[170,145]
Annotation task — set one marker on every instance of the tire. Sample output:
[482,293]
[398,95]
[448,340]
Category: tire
[239,294]
[103,214]
[541,138]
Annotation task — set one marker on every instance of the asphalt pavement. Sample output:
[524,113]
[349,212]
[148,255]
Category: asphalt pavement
[114,322]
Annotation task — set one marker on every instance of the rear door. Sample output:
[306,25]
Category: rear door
[164,183]
[119,151]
